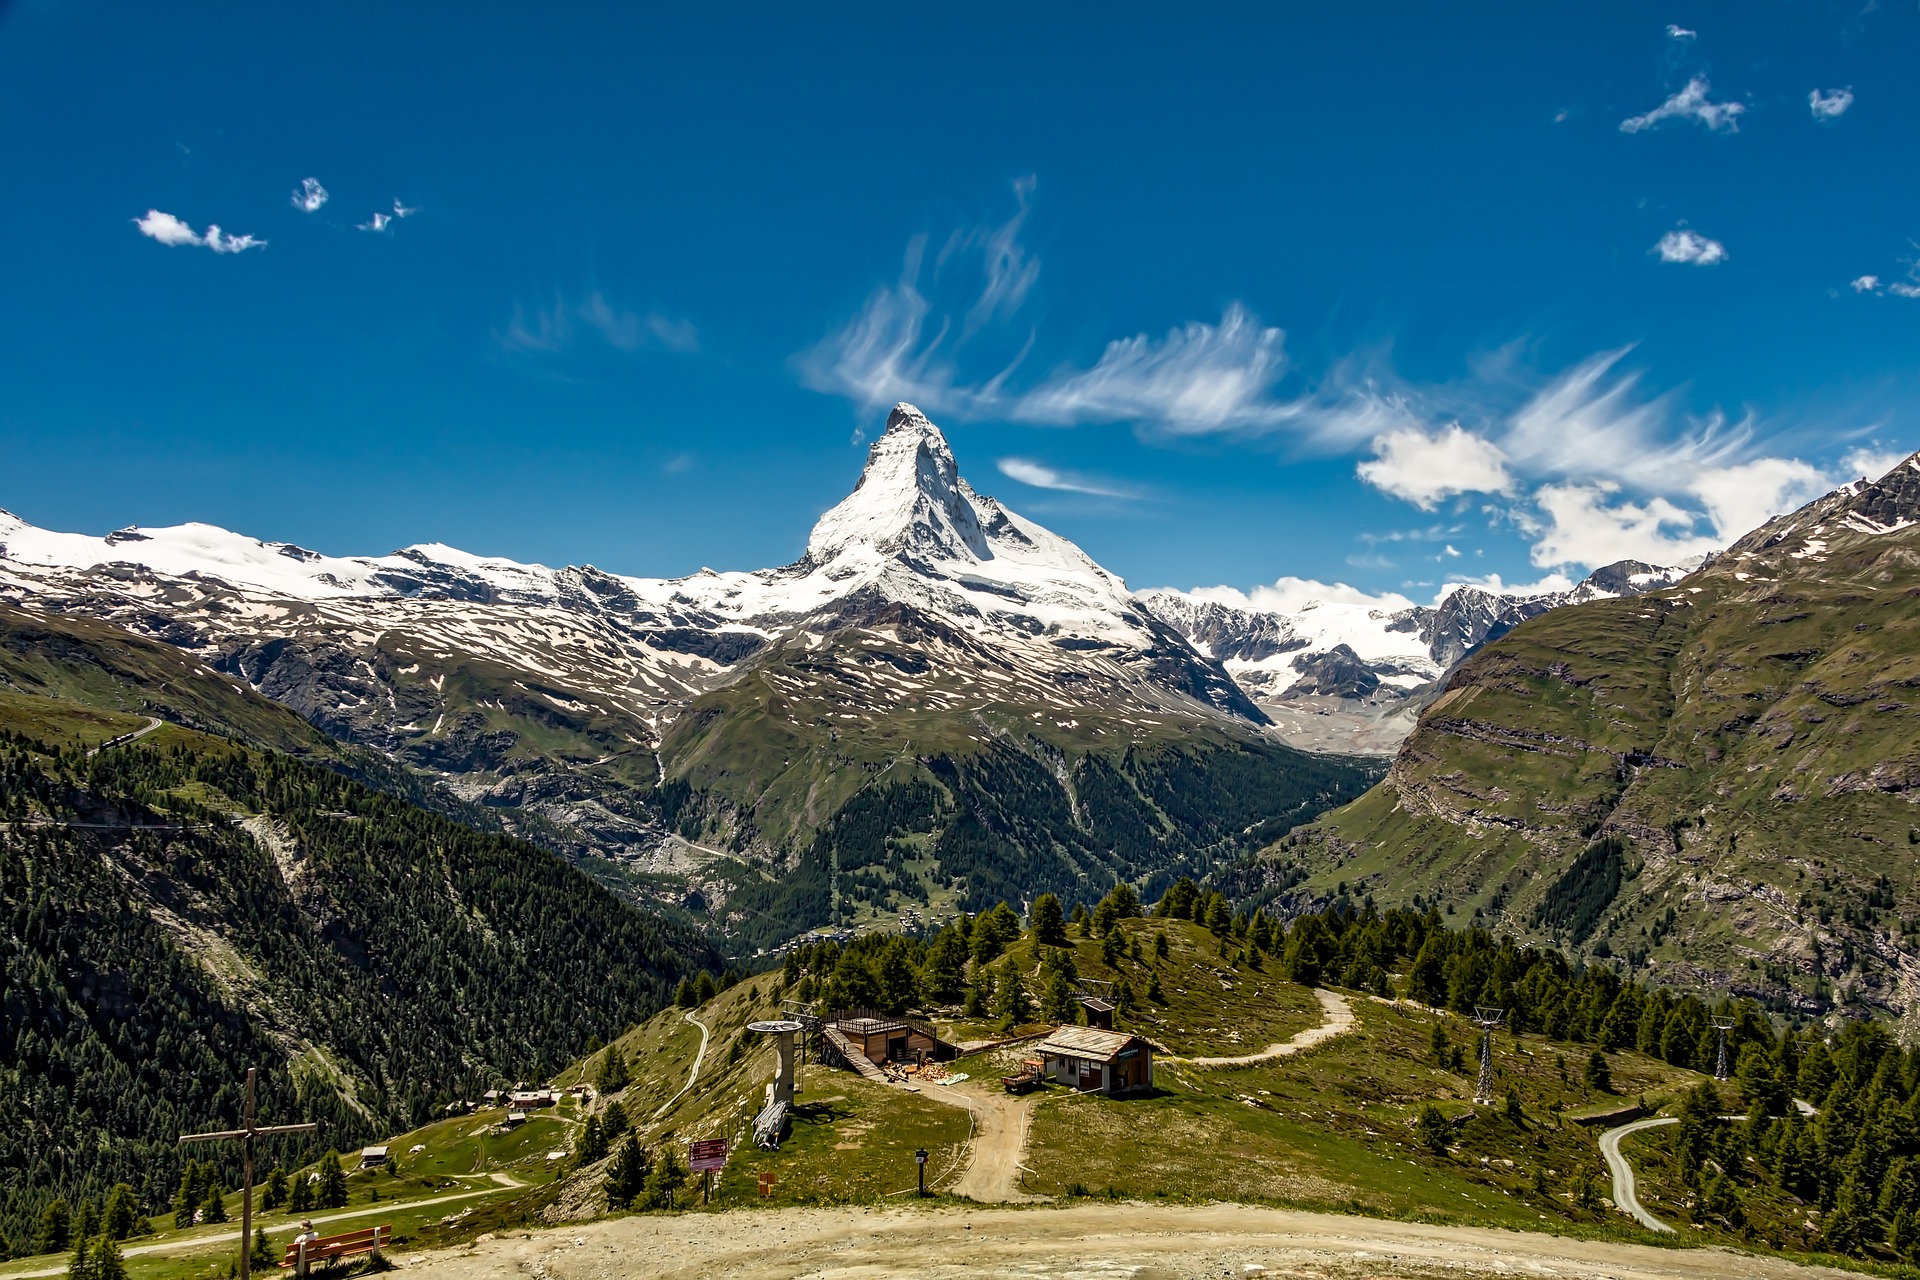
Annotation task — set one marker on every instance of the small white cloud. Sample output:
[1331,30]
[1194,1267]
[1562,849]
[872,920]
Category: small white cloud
[1498,586]
[1830,105]
[1677,32]
[1685,245]
[402,211]
[1691,103]
[1041,476]
[169,230]
[1560,116]
[166,228]
[378,222]
[1424,467]
[1866,284]
[309,195]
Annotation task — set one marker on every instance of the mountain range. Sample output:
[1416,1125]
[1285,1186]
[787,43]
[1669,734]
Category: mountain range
[940,702]
[1716,781]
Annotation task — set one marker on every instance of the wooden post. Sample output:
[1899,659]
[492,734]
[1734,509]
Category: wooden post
[245,1137]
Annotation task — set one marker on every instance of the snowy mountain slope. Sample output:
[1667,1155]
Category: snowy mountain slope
[1366,663]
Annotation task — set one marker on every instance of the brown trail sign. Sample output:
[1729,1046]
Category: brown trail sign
[245,1137]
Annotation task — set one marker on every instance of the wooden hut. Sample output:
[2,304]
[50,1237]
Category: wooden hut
[888,1039]
[1095,1060]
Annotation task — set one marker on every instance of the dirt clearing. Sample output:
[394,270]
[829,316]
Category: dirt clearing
[1077,1242]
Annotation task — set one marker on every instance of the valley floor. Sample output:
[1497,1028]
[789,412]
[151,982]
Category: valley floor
[1142,1241]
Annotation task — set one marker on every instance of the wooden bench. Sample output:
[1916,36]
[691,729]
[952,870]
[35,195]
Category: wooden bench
[333,1248]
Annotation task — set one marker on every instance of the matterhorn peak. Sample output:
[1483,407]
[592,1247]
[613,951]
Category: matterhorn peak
[910,499]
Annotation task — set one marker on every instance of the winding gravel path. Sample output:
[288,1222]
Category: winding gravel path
[692,1075]
[1338,1020]
[1626,1196]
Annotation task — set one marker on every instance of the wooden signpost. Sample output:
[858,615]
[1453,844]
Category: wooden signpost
[245,1137]
[704,1156]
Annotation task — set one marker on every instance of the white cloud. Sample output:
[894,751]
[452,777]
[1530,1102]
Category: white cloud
[378,222]
[1742,497]
[1830,105]
[1677,32]
[1041,476]
[309,195]
[402,211]
[169,230]
[1691,103]
[1866,284]
[1200,378]
[552,329]
[1683,244]
[1424,467]
[1870,464]
[166,228]
[1586,526]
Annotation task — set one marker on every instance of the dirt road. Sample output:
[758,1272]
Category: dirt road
[990,1172]
[692,1075]
[1079,1242]
[1338,1021]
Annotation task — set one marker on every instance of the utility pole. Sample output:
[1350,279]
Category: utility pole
[1486,1019]
[245,1137]
[1721,1026]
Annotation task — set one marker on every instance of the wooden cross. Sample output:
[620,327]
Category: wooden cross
[245,1137]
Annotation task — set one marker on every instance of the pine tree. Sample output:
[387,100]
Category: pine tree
[332,1191]
[86,1223]
[663,1180]
[593,1141]
[274,1193]
[704,988]
[81,1266]
[1048,920]
[300,1194]
[1598,1073]
[1154,991]
[612,1075]
[1123,1001]
[1010,1002]
[214,1207]
[107,1264]
[615,1119]
[54,1228]
[1160,945]
[683,996]
[1057,1005]
[1433,1131]
[627,1175]
[187,1199]
[121,1217]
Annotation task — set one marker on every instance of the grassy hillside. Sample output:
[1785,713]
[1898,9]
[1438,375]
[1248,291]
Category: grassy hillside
[1714,782]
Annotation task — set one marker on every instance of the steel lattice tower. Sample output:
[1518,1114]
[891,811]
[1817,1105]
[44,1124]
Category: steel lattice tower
[1721,1026]
[1486,1019]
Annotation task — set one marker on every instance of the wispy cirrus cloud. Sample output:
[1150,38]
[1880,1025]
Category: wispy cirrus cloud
[1688,246]
[1677,32]
[1830,105]
[1039,475]
[309,195]
[1691,103]
[173,232]
[558,326]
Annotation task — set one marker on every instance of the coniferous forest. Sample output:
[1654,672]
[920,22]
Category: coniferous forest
[371,957]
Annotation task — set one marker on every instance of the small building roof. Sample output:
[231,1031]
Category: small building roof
[1090,1043]
[1098,1005]
[372,1151]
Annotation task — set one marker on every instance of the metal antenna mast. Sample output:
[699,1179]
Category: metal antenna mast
[245,1137]
[1486,1019]
[1721,1026]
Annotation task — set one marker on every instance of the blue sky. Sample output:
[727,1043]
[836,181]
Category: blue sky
[1377,294]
